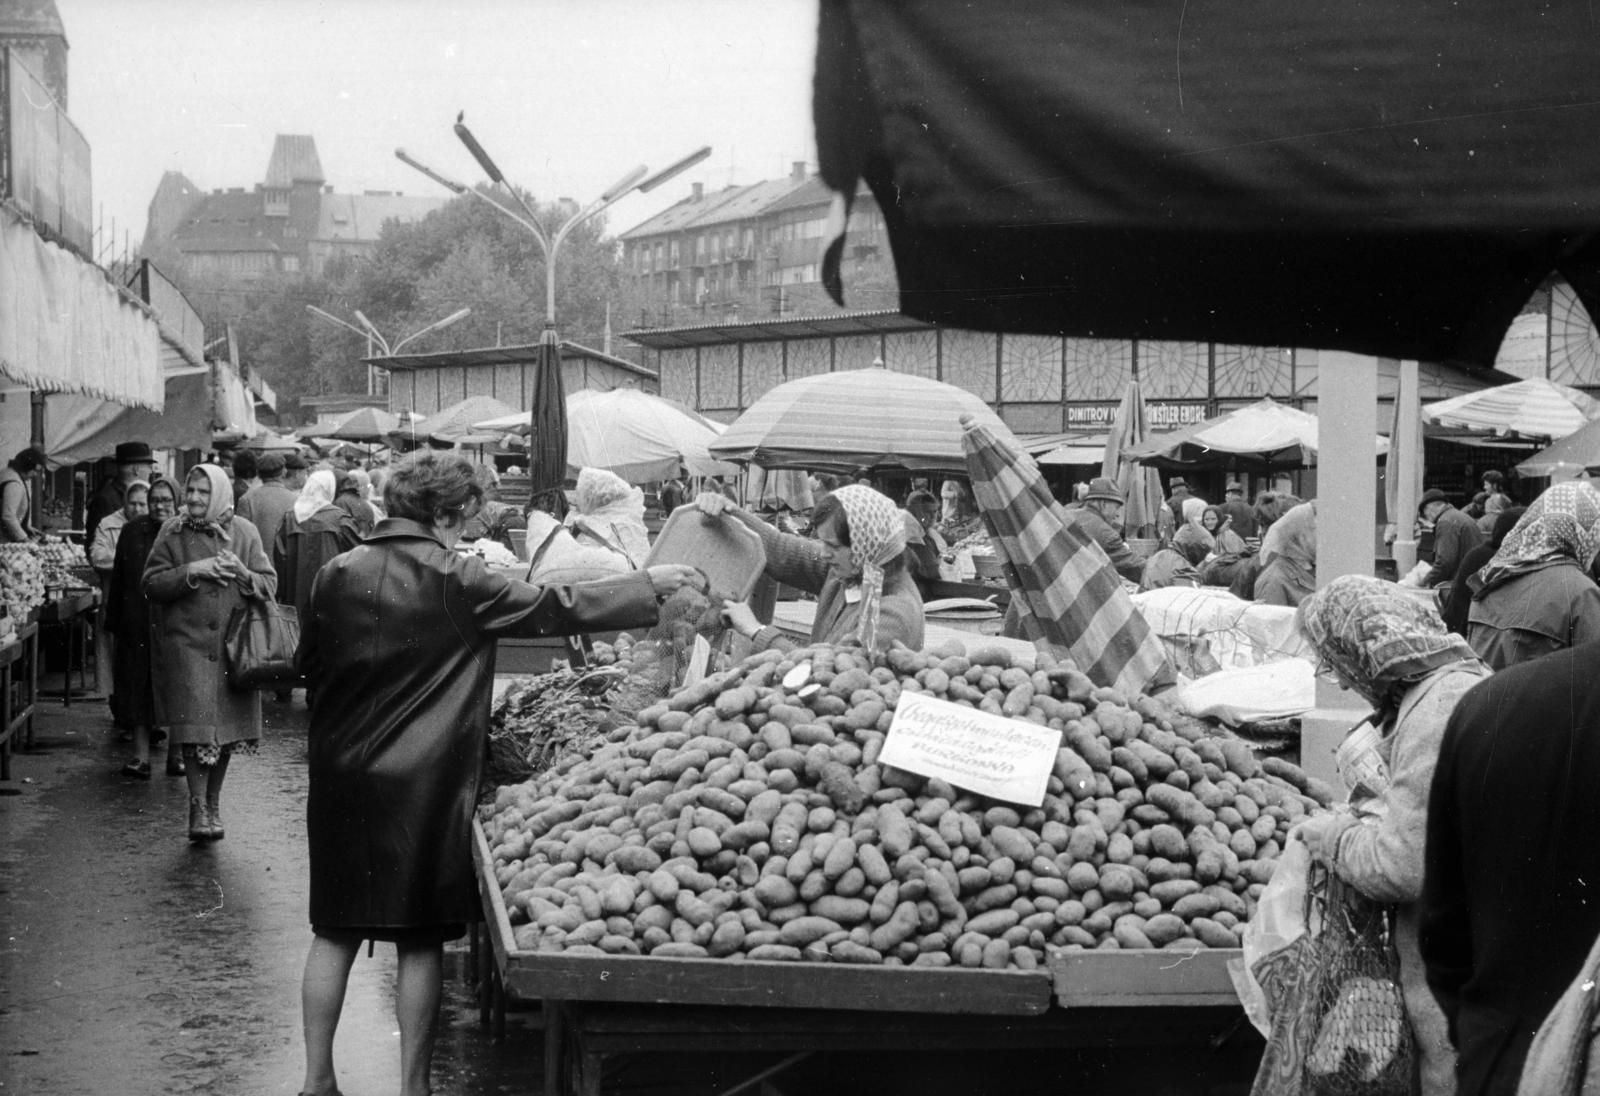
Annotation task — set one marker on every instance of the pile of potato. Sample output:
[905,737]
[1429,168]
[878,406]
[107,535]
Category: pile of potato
[748,817]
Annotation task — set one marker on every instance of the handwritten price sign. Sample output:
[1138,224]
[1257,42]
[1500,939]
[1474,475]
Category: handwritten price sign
[1001,758]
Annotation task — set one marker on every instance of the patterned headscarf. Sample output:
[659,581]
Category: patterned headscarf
[877,536]
[1377,637]
[1561,526]
[219,511]
[316,494]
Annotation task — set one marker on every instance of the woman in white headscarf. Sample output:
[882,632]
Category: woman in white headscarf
[204,564]
[315,531]
[857,568]
[610,514]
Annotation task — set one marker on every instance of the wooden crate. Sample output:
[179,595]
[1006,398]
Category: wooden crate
[723,982]
[1114,979]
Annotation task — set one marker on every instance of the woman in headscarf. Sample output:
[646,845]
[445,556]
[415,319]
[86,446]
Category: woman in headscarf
[1226,542]
[857,568]
[1396,653]
[1455,601]
[350,495]
[959,519]
[204,564]
[1537,594]
[312,533]
[1289,558]
[1178,565]
[610,514]
[127,621]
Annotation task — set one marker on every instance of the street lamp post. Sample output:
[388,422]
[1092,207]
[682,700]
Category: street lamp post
[369,331]
[548,448]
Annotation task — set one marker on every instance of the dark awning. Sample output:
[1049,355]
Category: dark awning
[1378,176]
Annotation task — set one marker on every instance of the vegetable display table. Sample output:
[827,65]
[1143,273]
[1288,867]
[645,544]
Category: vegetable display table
[596,1008]
[19,685]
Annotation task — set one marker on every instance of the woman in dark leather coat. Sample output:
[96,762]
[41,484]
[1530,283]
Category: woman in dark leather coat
[398,645]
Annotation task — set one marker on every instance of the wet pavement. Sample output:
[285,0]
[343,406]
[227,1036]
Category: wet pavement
[133,963]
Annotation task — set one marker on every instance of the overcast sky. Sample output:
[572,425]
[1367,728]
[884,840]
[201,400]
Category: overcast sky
[566,94]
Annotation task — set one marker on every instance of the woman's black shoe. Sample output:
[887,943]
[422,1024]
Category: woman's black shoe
[139,769]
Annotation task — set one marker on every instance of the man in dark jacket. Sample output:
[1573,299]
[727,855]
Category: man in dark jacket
[1454,535]
[134,462]
[1100,518]
[1241,515]
[265,506]
[1509,907]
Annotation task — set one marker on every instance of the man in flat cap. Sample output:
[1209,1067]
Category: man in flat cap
[264,506]
[1454,535]
[1101,519]
[134,462]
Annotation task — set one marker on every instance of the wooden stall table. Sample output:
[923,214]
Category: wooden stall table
[73,615]
[19,687]
[597,1009]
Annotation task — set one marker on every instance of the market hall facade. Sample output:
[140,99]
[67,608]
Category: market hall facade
[1043,385]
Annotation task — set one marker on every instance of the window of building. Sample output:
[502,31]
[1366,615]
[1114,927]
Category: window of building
[672,253]
[700,248]
[291,264]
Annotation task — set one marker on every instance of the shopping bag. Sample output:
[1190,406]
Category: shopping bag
[1274,930]
[1339,1025]
[260,646]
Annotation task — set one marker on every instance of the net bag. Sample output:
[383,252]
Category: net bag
[663,655]
[1339,1019]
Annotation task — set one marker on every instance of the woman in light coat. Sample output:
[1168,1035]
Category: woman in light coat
[204,565]
[1397,654]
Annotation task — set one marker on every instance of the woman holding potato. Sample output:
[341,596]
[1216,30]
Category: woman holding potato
[1397,654]
[398,645]
[857,568]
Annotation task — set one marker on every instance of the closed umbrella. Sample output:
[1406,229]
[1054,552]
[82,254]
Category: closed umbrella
[1532,408]
[859,418]
[1140,485]
[547,447]
[1071,598]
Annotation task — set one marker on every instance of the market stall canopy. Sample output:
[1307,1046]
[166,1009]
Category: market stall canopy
[859,418]
[1578,452]
[1380,177]
[1264,436]
[455,425]
[268,442]
[368,425]
[1531,408]
[640,437]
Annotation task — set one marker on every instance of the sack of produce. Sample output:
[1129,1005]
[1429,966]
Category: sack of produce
[749,816]
[1339,1025]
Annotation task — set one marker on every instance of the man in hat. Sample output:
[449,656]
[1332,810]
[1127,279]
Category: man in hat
[1241,514]
[1454,535]
[1100,519]
[264,506]
[1180,494]
[134,462]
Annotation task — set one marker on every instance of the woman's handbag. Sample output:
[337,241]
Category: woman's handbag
[260,646]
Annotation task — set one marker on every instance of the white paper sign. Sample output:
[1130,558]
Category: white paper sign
[699,659]
[1001,758]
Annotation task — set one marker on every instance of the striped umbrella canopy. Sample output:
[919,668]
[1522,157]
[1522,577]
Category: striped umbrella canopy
[1140,485]
[859,418]
[1071,598]
[1532,408]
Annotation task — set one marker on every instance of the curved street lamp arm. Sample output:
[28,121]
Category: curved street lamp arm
[331,318]
[460,314]
[526,222]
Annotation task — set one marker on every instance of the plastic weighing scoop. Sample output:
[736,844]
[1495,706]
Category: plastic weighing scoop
[727,550]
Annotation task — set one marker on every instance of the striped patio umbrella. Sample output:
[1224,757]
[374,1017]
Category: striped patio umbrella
[1140,485]
[1536,408]
[1071,598]
[871,418]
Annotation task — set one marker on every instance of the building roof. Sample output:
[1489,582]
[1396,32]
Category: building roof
[361,216]
[234,220]
[294,160]
[812,192]
[793,327]
[734,203]
[30,18]
[503,355]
